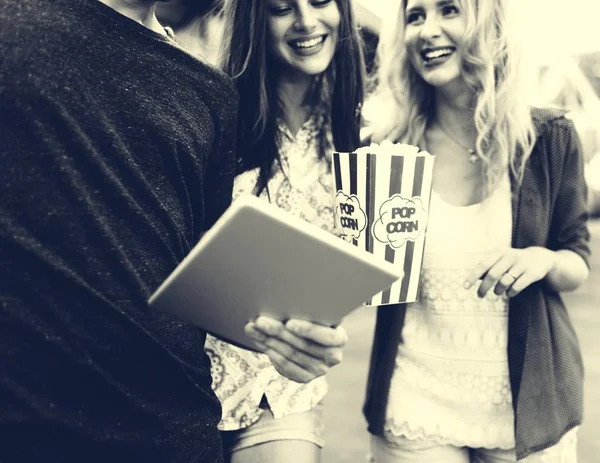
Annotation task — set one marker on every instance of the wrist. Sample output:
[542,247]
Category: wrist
[553,258]
[568,271]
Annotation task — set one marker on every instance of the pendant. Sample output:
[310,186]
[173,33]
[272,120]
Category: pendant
[473,158]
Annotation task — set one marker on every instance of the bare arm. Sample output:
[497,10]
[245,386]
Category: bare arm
[568,272]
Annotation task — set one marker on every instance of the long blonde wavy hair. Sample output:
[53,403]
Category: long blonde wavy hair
[491,70]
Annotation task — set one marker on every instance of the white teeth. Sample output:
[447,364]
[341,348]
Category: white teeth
[437,53]
[309,43]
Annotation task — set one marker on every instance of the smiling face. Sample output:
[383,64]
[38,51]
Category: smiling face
[433,40]
[303,34]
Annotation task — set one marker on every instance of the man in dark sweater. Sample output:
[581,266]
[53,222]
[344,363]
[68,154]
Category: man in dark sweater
[116,154]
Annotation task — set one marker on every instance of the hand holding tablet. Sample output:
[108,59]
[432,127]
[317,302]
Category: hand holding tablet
[298,349]
[259,259]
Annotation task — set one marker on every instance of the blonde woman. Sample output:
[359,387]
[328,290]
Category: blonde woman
[486,366]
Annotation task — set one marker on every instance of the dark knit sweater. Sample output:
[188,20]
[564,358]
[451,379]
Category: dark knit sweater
[116,152]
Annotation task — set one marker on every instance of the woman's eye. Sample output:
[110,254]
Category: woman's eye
[320,3]
[450,10]
[279,10]
[415,18]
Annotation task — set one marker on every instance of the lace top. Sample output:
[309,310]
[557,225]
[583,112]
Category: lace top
[451,382]
[240,377]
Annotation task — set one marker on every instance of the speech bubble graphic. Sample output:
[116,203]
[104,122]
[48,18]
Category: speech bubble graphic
[350,219]
[400,220]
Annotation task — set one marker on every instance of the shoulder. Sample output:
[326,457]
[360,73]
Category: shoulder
[216,83]
[546,115]
[551,122]
[557,143]
[556,135]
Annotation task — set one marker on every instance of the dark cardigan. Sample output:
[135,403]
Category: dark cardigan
[545,364]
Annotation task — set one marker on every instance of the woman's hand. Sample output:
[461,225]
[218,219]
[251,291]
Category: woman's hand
[299,350]
[510,271]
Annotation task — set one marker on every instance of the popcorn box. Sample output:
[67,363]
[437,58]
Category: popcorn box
[382,196]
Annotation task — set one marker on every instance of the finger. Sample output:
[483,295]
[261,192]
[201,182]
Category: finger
[291,369]
[269,326]
[495,274]
[504,283]
[307,362]
[285,355]
[481,269]
[329,355]
[319,334]
[327,336]
[520,284]
[506,274]
[252,331]
[516,271]
[260,347]
[508,279]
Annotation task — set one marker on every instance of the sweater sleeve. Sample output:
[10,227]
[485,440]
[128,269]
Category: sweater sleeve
[569,228]
[220,169]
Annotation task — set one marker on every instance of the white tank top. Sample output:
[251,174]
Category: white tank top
[451,383]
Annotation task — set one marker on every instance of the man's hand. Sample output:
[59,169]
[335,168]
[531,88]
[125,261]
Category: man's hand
[299,350]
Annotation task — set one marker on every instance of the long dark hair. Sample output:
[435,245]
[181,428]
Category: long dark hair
[246,59]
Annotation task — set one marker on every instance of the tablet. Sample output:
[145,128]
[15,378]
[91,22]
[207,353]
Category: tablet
[259,259]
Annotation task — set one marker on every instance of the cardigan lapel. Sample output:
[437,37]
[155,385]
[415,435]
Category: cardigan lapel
[524,192]
[524,222]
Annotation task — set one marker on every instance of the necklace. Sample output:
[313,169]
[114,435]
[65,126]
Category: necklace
[473,158]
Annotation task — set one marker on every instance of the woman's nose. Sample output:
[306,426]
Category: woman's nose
[306,19]
[431,28]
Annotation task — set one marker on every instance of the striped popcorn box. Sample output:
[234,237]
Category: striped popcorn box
[382,195]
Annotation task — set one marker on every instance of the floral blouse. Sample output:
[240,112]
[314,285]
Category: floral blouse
[240,378]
